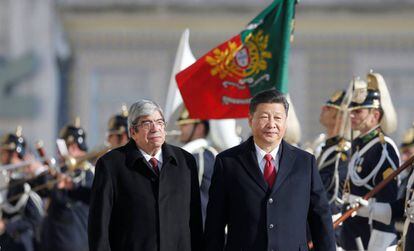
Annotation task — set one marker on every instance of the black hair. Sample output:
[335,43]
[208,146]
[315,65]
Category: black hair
[268,96]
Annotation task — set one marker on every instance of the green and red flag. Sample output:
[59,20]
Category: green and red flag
[221,83]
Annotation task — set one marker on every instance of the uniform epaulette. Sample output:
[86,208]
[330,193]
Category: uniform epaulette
[343,145]
[381,137]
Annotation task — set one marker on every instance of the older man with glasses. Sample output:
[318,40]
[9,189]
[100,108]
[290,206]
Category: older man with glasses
[145,194]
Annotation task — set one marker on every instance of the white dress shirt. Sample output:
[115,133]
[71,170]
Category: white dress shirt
[158,156]
[260,154]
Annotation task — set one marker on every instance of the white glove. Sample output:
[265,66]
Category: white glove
[356,201]
[378,211]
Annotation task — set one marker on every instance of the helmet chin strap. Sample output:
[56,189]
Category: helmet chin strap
[366,119]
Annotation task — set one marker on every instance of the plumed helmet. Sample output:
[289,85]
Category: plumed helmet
[118,124]
[14,142]
[74,134]
[184,118]
[374,94]
[336,99]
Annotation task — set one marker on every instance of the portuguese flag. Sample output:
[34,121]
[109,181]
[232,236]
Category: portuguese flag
[221,83]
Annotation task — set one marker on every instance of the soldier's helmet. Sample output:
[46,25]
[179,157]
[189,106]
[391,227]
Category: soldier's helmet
[185,119]
[118,124]
[336,99]
[408,138]
[374,94]
[14,142]
[74,134]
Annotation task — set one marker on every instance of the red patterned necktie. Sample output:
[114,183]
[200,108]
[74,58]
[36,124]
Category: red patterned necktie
[269,170]
[154,164]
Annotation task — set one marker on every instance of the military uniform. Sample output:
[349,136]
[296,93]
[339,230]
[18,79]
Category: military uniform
[374,157]
[333,168]
[405,206]
[204,154]
[22,210]
[23,217]
[65,226]
[333,158]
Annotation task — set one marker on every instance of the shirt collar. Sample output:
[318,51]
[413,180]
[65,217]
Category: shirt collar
[147,157]
[260,153]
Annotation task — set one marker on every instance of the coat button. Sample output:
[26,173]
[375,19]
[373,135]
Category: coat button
[271,226]
[270,201]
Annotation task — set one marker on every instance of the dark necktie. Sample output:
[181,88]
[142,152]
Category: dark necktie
[269,171]
[154,164]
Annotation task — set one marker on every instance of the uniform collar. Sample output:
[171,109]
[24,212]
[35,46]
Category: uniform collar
[195,144]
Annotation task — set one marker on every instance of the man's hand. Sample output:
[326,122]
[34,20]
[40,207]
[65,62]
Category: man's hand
[364,205]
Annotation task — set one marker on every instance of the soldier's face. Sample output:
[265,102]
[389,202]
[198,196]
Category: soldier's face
[329,116]
[268,124]
[149,133]
[117,140]
[186,131]
[364,119]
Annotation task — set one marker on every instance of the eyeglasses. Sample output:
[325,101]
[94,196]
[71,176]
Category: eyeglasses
[146,124]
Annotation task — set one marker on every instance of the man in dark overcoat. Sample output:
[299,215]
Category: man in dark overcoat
[266,191]
[145,195]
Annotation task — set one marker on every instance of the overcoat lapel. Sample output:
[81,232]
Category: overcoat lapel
[133,155]
[286,162]
[249,161]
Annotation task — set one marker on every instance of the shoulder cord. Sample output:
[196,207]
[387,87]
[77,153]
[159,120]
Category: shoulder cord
[355,178]
[325,155]
[28,193]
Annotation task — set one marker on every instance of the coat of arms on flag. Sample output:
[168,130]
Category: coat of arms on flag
[221,83]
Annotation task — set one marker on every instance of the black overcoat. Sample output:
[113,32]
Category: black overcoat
[134,209]
[259,218]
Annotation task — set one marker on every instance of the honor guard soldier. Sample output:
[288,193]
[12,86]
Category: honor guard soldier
[22,209]
[333,159]
[374,157]
[65,226]
[406,150]
[404,206]
[118,128]
[193,134]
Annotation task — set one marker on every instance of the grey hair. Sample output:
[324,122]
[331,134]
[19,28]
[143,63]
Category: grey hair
[143,107]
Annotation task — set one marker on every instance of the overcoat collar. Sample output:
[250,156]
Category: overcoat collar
[249,161]
[133,154]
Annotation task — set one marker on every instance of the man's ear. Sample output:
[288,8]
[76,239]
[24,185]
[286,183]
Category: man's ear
[377,114]
[132,131]
[250,119]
